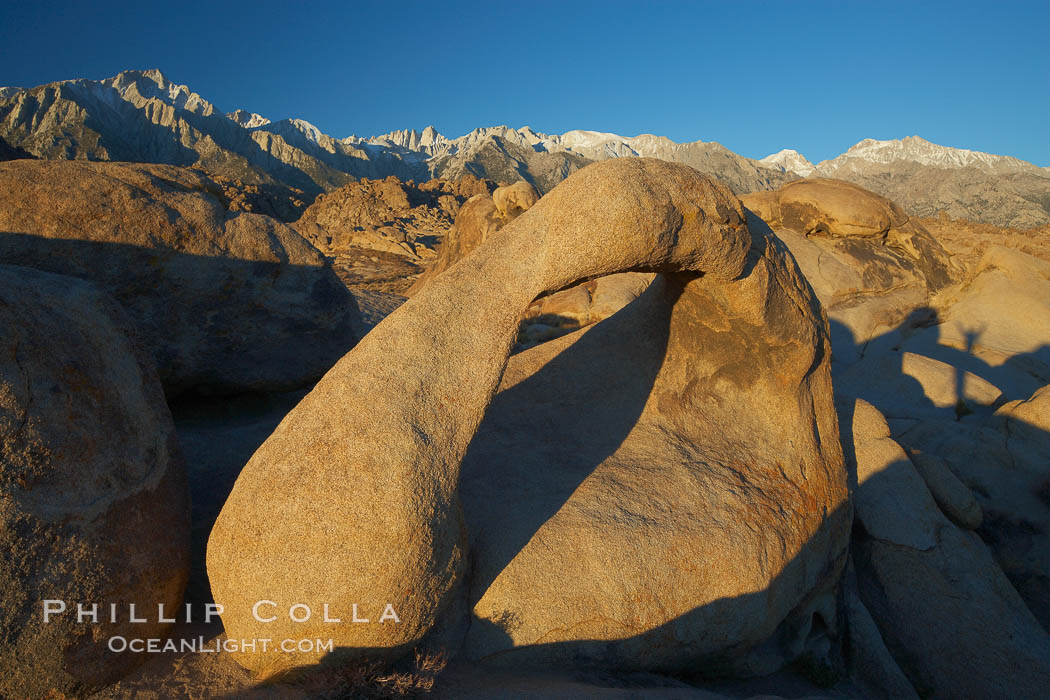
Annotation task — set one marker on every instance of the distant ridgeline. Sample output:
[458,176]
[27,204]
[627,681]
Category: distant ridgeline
[141,116]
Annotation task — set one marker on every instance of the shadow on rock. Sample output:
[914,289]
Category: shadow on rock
[215,324]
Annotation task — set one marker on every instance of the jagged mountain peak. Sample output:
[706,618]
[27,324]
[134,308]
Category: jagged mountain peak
[137,86]
[300,133]
[312,132]
[789,160]
[153,74]
[249,120]
[150,75]
[428,140]
[298,125]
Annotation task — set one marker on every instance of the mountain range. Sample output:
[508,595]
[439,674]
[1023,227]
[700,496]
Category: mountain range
[142,116]
[927,179]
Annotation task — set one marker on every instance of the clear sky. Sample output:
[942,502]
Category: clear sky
[754,76]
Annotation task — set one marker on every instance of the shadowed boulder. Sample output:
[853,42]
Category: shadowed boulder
[355,498]
[1005,461]
[224,301]
[940,601]
[93,501]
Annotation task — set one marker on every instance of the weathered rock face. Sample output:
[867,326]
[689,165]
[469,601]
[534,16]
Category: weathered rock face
[512,200]
[93,502]
[949,494]
[225,302]
[940,601]
[911,386]
[374,451]
[868,262]
[870,663]
[387,215]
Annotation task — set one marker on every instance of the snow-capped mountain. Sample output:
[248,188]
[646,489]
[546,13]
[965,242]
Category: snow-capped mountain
[926,178]
[789,161]
[575,147]
[137,88]
[298,132]
[142,116]
[594,145]
[914,149]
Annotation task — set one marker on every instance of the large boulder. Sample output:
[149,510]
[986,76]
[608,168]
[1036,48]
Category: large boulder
[1026,424]
[935,592]
[694,500]
[93,502]
[512,200]
[702,492]
[870,264]
[224,301]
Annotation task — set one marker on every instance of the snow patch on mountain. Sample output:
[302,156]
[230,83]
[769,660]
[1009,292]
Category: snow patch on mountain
[595,145]
[789,161]
[918,150]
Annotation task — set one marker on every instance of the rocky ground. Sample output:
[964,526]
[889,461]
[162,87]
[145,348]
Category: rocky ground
[388,215]
[970,240]
[580,467]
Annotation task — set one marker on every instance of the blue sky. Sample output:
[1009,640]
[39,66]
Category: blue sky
[754,76]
